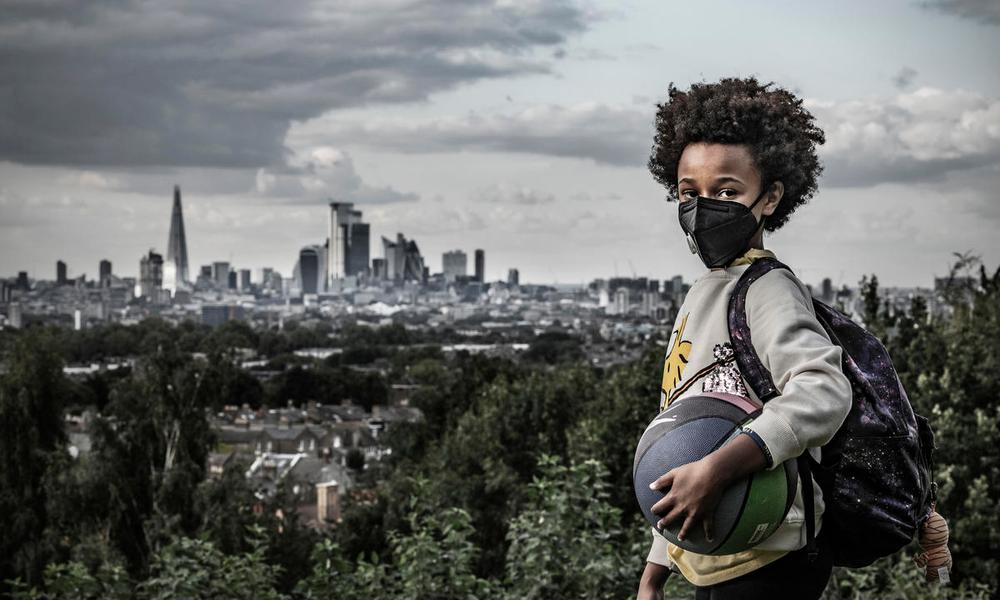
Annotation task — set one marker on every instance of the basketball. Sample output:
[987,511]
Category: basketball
[689,429]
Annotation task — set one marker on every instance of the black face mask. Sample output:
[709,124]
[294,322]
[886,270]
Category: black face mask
[718,231]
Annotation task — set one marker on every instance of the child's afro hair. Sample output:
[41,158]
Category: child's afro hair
[779,133]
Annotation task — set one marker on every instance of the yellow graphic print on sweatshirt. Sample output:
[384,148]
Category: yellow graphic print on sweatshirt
[676,362]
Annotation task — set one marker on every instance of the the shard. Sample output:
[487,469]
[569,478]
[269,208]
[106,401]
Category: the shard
[177,254]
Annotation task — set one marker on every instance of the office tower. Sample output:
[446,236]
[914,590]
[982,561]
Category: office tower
[621,301]
[61,273]
[378,268]
[220,274]
[513,277]
[276,282]
[6,291]
[22,281]
[827,294]
[177,257]
[310,270]
[358,252]
[402,259]
[654,285]
[650,302]
[105,273]
[480,265]
[151,275]
[206,271]
[244,280]
[348,244]
[394,255]
[232,279]
[454,264]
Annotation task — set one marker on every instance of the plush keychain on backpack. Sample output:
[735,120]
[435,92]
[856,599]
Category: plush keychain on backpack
[936,558]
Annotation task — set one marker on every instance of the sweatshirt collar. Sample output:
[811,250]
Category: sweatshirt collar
[732,269]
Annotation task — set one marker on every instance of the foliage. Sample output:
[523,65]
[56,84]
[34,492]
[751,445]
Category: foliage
[32,396]
[516,484]
[568,542]
[190,568]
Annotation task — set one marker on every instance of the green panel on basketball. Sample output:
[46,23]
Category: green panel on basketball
[689,429]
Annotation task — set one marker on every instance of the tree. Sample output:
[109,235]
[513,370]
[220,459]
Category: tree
[31,439]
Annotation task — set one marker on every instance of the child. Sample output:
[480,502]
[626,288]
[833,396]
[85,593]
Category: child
[740,158]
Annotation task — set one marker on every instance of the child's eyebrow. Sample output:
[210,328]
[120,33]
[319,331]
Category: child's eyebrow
[720,179]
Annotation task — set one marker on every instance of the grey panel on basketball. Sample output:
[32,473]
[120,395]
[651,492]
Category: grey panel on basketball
[682,412]
[684,444]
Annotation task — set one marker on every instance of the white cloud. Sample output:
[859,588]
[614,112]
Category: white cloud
[319,173]
[916,136]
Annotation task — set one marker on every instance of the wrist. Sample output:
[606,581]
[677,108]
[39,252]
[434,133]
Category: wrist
[735,460]
[654,575]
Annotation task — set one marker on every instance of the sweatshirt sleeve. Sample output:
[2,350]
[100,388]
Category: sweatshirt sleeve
[658,551]
[804,364]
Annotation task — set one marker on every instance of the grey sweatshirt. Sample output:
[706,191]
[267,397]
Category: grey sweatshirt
[806,368]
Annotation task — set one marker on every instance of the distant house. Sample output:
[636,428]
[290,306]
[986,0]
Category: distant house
[317,484]
[310,439]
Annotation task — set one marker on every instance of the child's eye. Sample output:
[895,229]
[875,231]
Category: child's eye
[731,193]
[688,195]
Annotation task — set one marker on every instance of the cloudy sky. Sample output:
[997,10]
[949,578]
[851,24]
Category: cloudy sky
[519,127]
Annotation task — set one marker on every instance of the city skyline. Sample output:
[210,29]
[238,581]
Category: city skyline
[527,139]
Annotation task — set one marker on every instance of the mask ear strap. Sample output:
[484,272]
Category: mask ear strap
[762,217]
[762,192]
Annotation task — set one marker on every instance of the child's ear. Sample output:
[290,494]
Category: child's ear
[773,198]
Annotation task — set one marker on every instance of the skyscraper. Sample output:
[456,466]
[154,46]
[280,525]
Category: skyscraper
[358,252]
[454,264]
[105,273]
[513,277]
[177,255]
[480,265]
[403,261]
[310,270]
[61,272]
[348,242]
[220,273]
[151,276]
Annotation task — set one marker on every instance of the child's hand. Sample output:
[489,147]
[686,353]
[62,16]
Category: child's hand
[693,491]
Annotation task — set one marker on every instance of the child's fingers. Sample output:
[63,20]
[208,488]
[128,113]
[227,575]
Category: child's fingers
[675,513]
[663,505]
[663,481]
[689,522]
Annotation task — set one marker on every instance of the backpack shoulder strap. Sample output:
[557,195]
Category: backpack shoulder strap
[750,365]
[761,381]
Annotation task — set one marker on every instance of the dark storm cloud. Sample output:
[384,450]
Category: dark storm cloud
[189,83]
[983,11]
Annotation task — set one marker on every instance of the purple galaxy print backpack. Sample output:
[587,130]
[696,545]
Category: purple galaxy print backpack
[876,471]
